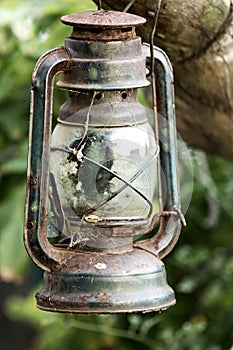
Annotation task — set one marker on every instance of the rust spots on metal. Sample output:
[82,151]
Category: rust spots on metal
[103,19]
[103,25]
[30,224]
[33,180]
[35,84]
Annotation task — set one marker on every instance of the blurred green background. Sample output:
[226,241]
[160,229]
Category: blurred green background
[200,268]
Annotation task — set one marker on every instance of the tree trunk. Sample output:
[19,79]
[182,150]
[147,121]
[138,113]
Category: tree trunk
[198,38]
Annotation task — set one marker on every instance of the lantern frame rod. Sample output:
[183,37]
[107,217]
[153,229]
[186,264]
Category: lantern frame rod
[47,67]
[172,219]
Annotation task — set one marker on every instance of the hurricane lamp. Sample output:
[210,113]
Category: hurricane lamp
[102,205]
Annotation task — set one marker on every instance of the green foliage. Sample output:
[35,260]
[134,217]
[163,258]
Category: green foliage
[200,268]
[25,34]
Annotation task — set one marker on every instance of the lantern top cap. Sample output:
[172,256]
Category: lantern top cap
[103,19]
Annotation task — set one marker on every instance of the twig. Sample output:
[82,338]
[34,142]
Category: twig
[114,332]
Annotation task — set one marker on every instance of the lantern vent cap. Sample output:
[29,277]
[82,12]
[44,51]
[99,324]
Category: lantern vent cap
[103,19]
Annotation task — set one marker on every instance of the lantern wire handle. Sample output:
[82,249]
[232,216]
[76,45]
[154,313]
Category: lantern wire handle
[99,5]
[153,79]
[130,4]
[152,36]
[86,124]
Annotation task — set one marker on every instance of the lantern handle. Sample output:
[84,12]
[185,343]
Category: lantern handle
[46,68]
[171,218]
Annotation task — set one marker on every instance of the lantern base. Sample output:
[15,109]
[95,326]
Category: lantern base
[130,282]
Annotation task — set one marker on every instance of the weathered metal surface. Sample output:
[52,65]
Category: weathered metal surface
[103,25]
[103,19]
[89,50]
[40,128]
[105,75]
[93,283]
[103,65]
[111,109]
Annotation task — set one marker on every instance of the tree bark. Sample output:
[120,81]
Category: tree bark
[198,38]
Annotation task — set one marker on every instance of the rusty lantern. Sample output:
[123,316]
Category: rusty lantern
[104,178]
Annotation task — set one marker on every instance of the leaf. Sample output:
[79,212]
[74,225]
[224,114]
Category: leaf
[13,257]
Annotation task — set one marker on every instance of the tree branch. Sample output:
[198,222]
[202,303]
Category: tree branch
[198,38]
